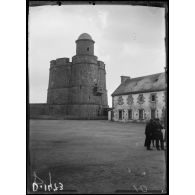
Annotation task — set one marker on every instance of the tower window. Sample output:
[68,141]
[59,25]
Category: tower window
[88,49]
[153,111]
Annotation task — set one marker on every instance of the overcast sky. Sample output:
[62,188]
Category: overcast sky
[129,39]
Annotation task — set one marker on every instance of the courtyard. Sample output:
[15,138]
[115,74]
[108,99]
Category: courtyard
[97,156]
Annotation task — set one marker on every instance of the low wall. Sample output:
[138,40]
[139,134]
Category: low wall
[38,109]
[48,111]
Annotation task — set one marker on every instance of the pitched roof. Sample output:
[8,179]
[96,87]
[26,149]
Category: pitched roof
[149,83]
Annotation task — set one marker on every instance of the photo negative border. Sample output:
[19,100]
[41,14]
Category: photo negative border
[162,4]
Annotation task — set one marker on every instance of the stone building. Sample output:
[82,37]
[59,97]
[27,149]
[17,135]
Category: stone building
[77,88]
[139,99]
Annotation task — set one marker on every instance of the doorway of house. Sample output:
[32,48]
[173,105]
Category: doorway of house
[153,111]
[141,114]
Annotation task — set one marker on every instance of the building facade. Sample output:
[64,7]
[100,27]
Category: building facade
[139,99]
[78,87]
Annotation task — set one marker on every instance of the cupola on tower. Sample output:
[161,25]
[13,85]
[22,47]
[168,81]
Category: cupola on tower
[84,45]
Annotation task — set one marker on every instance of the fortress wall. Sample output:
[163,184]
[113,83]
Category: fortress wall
[38,109]
[83,78]
[84,59]
[84,74]
[86,111]
[58,110]
[102,83]
[47,111]
[102,75]
[59,81]
[58,96]
[60,72]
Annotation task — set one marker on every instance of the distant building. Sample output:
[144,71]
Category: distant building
[139,99]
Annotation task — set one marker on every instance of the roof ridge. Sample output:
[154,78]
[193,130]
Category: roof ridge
[129,85]
[146,76]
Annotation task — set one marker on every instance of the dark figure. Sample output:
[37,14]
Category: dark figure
[158,135]
[153,141]
[149,134]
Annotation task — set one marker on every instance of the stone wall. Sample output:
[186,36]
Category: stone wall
[85,47]
[59,81]
[47,111]
[132,102]
[38,109]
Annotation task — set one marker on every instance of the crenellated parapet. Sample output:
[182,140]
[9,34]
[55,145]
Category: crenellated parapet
[59,62]
[84,59]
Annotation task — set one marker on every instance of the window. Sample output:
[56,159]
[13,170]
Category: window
[120,100]
[153,111]
[120,114]
[130,99]
[99,112]
[88,49]
[141,114]
[140,99]
[153,98]
[130,114]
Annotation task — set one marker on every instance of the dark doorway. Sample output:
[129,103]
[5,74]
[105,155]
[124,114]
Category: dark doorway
[120,114]
[141,114]
[153,111]
[130,114]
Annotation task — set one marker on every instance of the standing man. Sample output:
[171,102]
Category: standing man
[149,134]
[158,134]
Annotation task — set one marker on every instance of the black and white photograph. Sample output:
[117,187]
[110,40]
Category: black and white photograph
[97,97]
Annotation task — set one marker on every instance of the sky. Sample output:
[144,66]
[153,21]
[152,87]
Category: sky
[129,39]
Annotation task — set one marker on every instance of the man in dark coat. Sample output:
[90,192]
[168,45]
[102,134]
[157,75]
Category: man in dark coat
[149,134]
[158,135]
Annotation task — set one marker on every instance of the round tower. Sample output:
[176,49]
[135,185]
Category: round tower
[87,94]
[59,81]
[78,88]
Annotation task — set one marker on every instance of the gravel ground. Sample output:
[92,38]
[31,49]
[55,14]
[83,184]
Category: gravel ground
[94,156]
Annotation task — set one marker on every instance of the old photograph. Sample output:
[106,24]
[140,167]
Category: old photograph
[98,98]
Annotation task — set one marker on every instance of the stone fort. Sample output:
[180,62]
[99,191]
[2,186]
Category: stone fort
[76,88]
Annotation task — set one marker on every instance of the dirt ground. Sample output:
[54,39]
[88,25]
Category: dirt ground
[94,156]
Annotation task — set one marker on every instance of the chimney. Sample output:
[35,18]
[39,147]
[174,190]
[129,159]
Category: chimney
[124,78]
